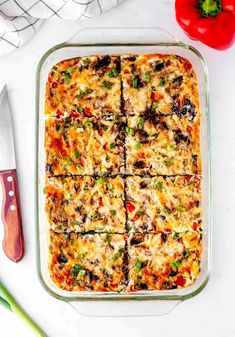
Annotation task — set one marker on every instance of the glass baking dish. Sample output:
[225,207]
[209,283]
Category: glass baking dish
[103,41]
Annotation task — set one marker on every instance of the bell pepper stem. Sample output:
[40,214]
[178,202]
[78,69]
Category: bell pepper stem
[209,7]
[9,302]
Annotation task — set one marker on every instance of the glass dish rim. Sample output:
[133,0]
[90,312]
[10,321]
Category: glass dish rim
[129,296]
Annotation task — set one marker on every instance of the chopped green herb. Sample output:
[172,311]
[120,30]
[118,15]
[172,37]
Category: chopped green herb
[141,123]
[130,131]
[138,145]
[171,147]
[81,273]
[110,186]
[159,185]
[168,162]
[96,215]
[69,70]
[113,212]
[67,78]
[128,227]
[135,82]
[148,76]
[181,208]
[79,109]
[113,72]
[154,106]
[153,88]
[175,264]
[117,255]
[106,85]
[84,93]
[89,124]
[168,209]
[162,82]
[139,213]
[74,223]
[112,146]
[139,266]
[76,154]
[76,269]
[108,238]
[100,180]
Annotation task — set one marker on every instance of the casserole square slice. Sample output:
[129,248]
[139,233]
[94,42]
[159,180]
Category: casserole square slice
[163,84]
[160,262]
[162,145]
[89,262]
[163,204]
[78,204]
[85,86]
[84,146]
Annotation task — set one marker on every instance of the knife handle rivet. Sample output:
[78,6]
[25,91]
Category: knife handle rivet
[12,207]
[9,178]
[11,193]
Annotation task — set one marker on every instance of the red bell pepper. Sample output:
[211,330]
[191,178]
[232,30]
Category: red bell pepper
[209,21]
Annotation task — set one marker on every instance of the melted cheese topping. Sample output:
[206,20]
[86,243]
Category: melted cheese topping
[88,262]
[123,185]
[164,83]
[166,145]
[84,146]
[160,261]
[89,86]
[84,204]
[164,204]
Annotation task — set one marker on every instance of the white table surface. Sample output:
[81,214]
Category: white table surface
[211,313]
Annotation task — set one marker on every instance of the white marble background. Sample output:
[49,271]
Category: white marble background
[211,313]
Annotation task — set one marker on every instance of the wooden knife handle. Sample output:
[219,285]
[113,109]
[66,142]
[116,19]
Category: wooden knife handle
[13,243]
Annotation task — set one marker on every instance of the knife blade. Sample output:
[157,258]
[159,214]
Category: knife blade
[13,243]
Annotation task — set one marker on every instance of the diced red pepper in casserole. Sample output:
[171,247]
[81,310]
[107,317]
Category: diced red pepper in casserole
[130,207]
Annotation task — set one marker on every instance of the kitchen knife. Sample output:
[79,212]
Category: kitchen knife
[13,244]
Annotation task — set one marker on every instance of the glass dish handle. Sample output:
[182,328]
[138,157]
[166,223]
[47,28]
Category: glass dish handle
[122,35]
[124,308]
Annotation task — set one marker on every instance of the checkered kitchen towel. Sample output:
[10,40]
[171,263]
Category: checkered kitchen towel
[19,19]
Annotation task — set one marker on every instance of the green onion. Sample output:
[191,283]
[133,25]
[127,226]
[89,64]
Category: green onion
[76,154]
[117,255]
[113,212]
[112,146]
[69,70]
[79,109]
[162,82]
[75,270]
[148,76]
[96,215]
[9,302]
[139,266]
[113,72]
[74,223]
[130,131]
[181,208]
[110,186]
[168,162]
[175,264]
[154,106]
[141,123]
[89,124]
[67,78]
[154,88]
[138,145]
[171,147]
[135,82]
[159,185]
[100,180]
[88,91]
[128,227]
[106,85]
[81,273]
